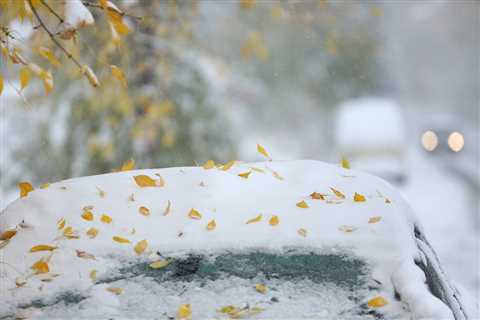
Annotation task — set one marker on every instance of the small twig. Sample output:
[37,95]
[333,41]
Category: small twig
[52,11]
[122,13]
[52,36]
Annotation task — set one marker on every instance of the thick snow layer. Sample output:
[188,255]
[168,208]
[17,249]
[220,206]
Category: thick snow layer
[271,189]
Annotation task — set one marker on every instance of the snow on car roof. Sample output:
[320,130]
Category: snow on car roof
[84,222]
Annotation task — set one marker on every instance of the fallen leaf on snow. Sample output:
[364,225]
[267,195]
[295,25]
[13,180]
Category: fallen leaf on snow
[210,164]
[87,215]
[345,163]
[374,219]
[302,204]
[261,288]
[84,255]
[128,165]
[120,239]
[194,214]
[105,218]
[93,275]
[167,209]
[228,165]
[92,233]
[184,311]
[377,302]
[274,220]
[144,181]
[357,197]
[159,264]
[337,193]
[42,247]
[141,246]
[264,152]
[101,193]
[254,220]
[211,225]
[347,229]
[61,223]
[302,232]
[25,188]
[40,267]
[144,211]
[115,290]
[317,196]
[245,174]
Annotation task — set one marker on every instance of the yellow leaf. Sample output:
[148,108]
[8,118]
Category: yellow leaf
[263,151]
[84,255]
[317,196]
[254,220]
[128,165]
[101,193]
[45,185]
[302,204]
[40,267]
[194,214]
[211,225]
[159,264]
[210,164]
[302,232]
[105,218]
[247,4]
[61,223]
[93,275]
[338,193]
[47,54]
[120,239]
[228,309]
[144,181]
[92,78]
[1,84]
[25,188]
[245,174]
[118,73]
[115,290]
[24,77]
[184,311]
[374,219]
[276,175]
[144,210]
[274,221]
[140,246]
[47,79]
[345,163]
[167,209]
[261,288]
[69,233]
[87,215]
[8,234]
[377,302]
[347,229]
[42,247]
[92,233]
[228,165]
[357,197]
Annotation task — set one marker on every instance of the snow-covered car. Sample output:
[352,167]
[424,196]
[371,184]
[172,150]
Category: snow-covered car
[268,240]
[370,132]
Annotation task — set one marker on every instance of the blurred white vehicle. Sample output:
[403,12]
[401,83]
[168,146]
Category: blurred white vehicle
[269,240]
[370,132]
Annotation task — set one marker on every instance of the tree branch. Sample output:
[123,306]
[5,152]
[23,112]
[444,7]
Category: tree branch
[122,13]
[52,36]
[52,11]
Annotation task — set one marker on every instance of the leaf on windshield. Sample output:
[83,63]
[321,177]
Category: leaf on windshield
[144,211]
[254,220]
[347,229]
[302,204]
[25,188]
[120,239]
[8,234]
[377,302]
[210,164]
[228,165]
[345,163]
[245,175]
[194,214]
[87,215]
[92,233]
[144,181]
[115,290]
[84,255]
[337,193]
[261,288]
[141,246]
[264,152]
[42,247]
[274,220]
[357,197]
[211,225]
[317,196]
[167,209]
[159,264]
[40,267]
[105,218]
[374,219]
[184,311]
[302,232]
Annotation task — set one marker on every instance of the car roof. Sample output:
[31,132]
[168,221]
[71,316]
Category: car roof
[253,205]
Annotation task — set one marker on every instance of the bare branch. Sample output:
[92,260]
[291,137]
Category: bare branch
[52,11]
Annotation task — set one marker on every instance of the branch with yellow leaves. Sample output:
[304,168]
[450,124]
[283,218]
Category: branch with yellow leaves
[121,13]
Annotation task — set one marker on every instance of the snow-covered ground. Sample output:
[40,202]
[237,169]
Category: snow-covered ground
[67,235]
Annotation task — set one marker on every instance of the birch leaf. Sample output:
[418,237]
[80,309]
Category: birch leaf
[128,165]
[25,188]
[337,193]
[101,193]
[120,239]
[210,164]
[261,288]
[144,181]
[167,209]
[90,75]
[264,152]
[93,275]
[211,225]
[118,73]
[274,220]
[24,78]
[228,165]
[42,247]
[184,311]
[40,267]
[302,204]
[194,214]
[141,246]
[377,302]
[115,290]
[255,220]
[345,163]
[87,215]
[45,185]
[8,234]
[245,175]
[144,211]
[47,54]
[159,264]
[47,79]
[276,175]
[92,233]
[105,218]
[347,229]
[374,219]
[302,232]
[84,255]
[317,196]
[357,197]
